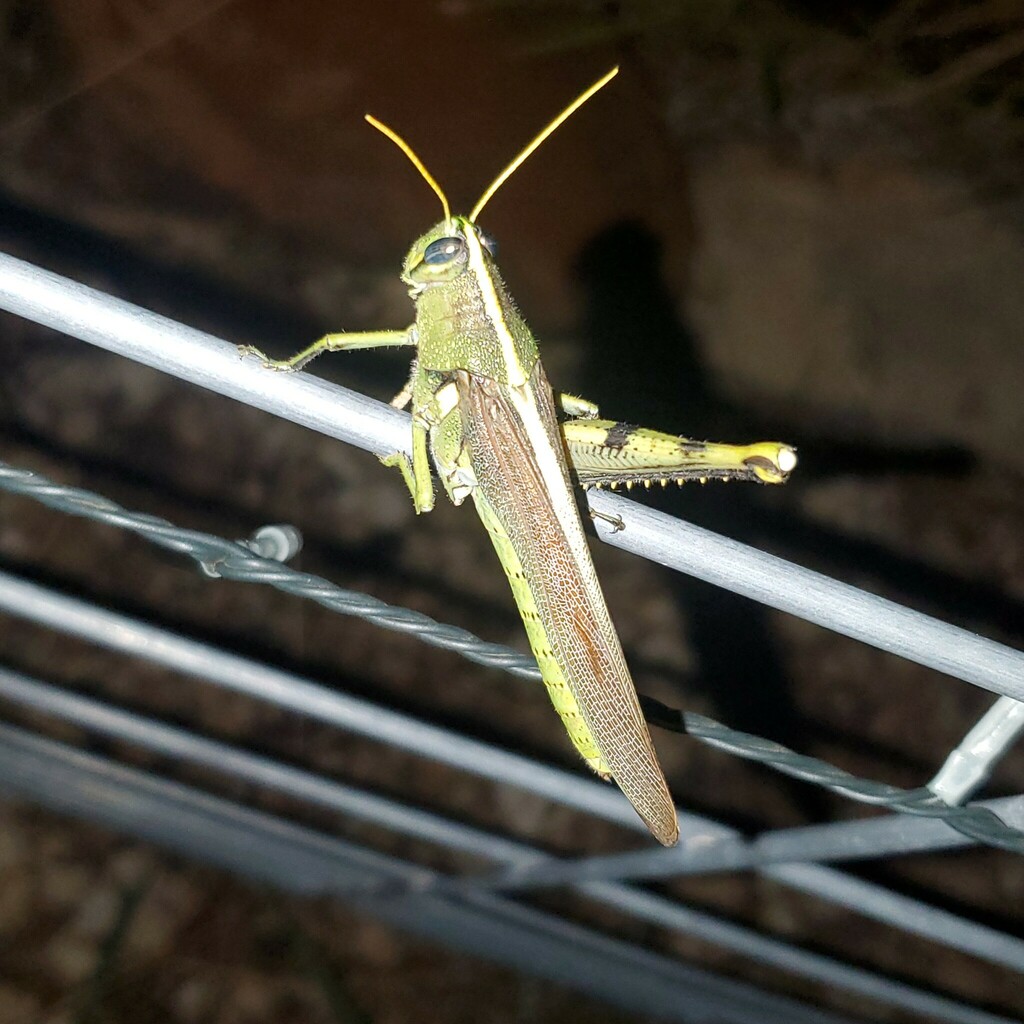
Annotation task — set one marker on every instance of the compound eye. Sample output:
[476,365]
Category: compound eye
[444,250]
[489,244]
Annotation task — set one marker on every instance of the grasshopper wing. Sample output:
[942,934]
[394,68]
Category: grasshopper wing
[525,499]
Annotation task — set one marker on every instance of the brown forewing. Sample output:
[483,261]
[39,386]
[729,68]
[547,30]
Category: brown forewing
[564,584]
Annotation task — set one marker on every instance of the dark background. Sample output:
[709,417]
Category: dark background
[778,222]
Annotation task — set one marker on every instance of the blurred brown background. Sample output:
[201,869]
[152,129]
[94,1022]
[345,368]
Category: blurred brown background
[782,220]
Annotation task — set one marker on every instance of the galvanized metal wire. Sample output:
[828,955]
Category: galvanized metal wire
[233,560]
[139,334]
[186,746]
[297,859]
[425,903]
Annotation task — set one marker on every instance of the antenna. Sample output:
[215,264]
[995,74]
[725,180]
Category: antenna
[416,161]
[537,140]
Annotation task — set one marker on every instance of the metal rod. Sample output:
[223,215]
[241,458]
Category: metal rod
[146,337]
[195,822]
[156,341]
[138,334]
[887,836]
[186,746]
[780,584]
[203,661]
[300,860]
[672,915]
[970,764]
[522,863]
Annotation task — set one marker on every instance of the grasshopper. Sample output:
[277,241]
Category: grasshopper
[484,413]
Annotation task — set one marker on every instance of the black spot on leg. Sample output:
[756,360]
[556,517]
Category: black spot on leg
[618,435]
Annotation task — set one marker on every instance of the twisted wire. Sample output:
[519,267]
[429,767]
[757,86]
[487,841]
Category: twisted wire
[233,560]
[972,820]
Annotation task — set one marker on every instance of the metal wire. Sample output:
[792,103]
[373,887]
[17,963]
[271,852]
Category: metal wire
[977,822]
[156,341]
[235,561]
[718,846]
[300,860]
[184,745]
[827,602]
[969,765]
[119,327]
[784,855]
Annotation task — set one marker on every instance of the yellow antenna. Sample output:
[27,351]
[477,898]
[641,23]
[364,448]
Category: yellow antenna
[512,167]
[416,161]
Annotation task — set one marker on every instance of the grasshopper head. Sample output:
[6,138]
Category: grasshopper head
[443,253]
[446,250]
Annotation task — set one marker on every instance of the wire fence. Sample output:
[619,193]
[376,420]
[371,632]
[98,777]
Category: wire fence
[237,561]
[925,821]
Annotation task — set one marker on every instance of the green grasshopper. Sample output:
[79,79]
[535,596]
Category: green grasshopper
[483,410]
